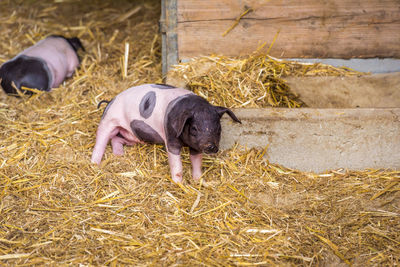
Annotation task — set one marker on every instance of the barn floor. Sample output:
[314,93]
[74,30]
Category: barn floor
[57,208]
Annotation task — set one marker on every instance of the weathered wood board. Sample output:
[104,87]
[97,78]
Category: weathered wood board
[307,28]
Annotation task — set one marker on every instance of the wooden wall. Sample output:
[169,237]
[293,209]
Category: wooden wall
[307,28]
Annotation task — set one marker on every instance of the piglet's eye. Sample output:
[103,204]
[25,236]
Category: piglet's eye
[193,130]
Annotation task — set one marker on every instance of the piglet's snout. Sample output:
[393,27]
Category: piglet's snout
[211,148]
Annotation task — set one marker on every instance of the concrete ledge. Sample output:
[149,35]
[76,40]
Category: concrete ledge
[319,139]
[365,91]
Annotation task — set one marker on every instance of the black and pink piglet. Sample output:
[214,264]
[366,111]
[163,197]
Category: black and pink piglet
[42,66]
[164,114]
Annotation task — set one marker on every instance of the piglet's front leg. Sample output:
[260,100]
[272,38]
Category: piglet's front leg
[196,159]
[175,165]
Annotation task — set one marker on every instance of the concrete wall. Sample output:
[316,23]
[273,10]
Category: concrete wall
[319,139]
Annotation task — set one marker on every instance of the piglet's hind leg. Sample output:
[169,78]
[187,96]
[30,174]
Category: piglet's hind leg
[117,144]
[103,135]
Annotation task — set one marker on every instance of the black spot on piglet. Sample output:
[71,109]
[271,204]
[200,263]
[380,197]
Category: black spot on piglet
[147,104]
[25,71]
[145,132]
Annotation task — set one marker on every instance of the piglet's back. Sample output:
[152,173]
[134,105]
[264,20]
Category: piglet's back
[145,104]
[59,55]
[149,100]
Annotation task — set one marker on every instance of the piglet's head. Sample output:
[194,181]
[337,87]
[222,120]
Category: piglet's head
[198,125]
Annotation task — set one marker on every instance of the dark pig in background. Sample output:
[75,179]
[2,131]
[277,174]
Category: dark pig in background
[162,114]
[42,66]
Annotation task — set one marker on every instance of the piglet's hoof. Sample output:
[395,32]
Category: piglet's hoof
[196,176]
[177,178]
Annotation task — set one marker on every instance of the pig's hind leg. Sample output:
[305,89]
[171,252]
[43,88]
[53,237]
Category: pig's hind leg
[104,134]
[118,142]
[120,139]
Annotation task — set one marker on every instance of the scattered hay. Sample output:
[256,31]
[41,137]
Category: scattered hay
[56,208]
[255,81]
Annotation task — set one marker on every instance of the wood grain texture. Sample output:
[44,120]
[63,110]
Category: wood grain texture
[307,28]
[168,25]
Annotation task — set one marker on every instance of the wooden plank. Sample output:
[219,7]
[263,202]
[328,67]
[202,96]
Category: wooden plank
[168,25]
[163,30]
[307,28]
[194,10]
[319,139]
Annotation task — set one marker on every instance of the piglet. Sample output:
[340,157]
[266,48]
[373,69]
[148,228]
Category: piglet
[162,114]
[42,66]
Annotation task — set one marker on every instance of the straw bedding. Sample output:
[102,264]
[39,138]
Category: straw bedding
[254,81]
[56,208]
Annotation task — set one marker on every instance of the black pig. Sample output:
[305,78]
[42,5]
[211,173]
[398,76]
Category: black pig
[42,66]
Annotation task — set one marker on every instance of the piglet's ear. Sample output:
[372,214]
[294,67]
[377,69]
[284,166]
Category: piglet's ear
[179,122]
[76,43]
[222,110]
